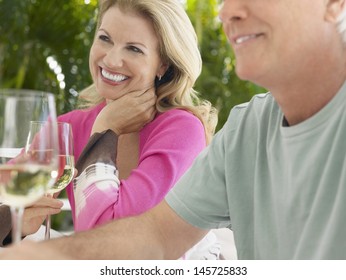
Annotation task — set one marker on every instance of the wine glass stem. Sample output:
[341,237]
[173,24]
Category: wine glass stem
[48,226]
[17,215]
[48,223]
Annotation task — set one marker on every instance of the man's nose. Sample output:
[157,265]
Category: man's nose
[232,10]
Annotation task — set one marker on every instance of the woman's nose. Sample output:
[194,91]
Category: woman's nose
[113,58]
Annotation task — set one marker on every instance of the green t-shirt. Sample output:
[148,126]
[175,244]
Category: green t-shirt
[282,190]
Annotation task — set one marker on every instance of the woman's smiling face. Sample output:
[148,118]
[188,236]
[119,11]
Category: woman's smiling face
[125,54]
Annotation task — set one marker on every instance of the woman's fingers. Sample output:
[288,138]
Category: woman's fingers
[128,113]
[35,215]
[46,201]
[143,95]
[34,212]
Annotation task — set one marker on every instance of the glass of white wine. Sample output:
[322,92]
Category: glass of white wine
[66,165]
[28,158]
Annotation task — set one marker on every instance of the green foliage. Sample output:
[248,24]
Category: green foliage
[33,30]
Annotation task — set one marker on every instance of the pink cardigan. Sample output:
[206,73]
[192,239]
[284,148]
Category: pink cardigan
[168,146]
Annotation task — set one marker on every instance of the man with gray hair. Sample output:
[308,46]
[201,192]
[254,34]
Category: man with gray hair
[276,173]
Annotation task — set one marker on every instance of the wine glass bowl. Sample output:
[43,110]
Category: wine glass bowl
[66,165]
[28,155]
[66,158]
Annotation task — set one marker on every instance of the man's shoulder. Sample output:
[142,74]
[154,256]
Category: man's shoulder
[259,106]
[258,100]
[260,113]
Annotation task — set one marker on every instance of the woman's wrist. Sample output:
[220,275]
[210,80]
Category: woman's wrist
[102,127]
[101,147]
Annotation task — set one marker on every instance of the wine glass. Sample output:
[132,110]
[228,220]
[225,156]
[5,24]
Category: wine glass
[28,158]
[66,165]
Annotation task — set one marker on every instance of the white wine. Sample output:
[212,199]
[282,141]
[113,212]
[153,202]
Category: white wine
[65,173]
[21,185]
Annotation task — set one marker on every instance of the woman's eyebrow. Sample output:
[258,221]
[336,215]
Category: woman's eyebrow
[101,29]
[136,43]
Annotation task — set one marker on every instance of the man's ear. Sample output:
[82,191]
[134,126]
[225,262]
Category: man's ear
[334,8]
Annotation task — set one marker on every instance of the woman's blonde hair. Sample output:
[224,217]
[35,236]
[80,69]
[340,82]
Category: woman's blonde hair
[178,48]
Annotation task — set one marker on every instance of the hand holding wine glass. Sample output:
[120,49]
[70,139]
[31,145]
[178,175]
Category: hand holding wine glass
[66,165]
[28,158]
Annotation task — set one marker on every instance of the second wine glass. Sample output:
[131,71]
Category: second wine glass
[28,158]
[66,165]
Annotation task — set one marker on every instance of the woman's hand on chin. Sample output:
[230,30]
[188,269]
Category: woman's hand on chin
[129,113]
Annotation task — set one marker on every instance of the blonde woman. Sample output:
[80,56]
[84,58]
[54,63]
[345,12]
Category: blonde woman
[144,62]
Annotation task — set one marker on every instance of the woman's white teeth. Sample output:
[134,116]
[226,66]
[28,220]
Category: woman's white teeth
[244,38]
[114,78]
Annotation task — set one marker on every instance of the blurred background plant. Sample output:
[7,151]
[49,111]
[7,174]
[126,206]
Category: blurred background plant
[44,44]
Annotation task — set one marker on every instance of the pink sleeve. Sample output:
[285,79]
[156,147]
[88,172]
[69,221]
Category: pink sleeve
[168,148]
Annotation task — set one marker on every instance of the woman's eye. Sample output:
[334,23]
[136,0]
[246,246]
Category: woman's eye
[135,49]
[103,38]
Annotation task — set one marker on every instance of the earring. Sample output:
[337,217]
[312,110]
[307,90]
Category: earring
[160,77]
